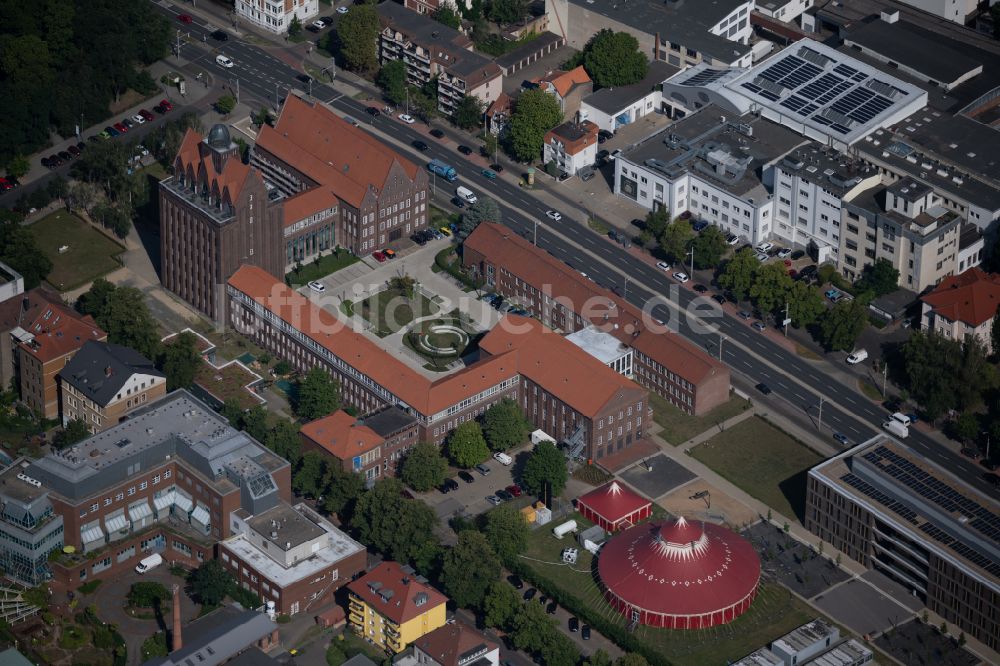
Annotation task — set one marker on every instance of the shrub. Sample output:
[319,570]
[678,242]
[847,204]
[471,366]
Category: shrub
[147,595]
[73,637]
[89,586]
[283,619]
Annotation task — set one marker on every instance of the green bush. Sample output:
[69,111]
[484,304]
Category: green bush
[245,598]
[89,586]
[155,646]
[73,637]
[283,619]
[147,595]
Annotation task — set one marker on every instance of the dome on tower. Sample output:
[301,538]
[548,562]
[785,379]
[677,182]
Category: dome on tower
[679,574]
[218,137]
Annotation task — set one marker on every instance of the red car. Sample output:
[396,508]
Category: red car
[378,256]
[184,18]
[121,128]
[167,106]
[514,490]
[146,115]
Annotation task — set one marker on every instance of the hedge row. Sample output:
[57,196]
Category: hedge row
[615,633]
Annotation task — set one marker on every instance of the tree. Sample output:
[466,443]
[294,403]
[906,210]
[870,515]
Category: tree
[358,33]
[559,650]
[805,304]
[966,427]
[675,239]
[424,467]
[318,395]
[535,113]
[447,16]
[842,324]
[770,289]
[342,489]
[19,251]
[504,425]
[531,628]
[294,26]
[308,478]
[18,166]
[880,278]
[123,314]
[210,583]
[254,422]
[392,80]
[147,594]
[180,360]
[93,301]
[709,247]
[631,659]
[225,104]
[737,276]
[485,209]
[467,446]
[75,431]
[501,605]
[469,568]
[614,59]
[423,101]
[507,532]
[469,112]
[284,440]
[599,658]
[397,527]
[547,465]
[508,11]
[943,374]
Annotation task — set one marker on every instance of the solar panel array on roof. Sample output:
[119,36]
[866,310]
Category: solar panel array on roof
[703,77]
[880,497]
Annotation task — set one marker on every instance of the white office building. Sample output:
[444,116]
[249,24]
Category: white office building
[277,16]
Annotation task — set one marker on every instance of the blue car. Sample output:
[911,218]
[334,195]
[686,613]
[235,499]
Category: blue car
[112,131]
[699,226]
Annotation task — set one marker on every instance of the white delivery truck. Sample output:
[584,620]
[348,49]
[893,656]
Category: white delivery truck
[466,195]
[857,356]
[896,428]
[148,563]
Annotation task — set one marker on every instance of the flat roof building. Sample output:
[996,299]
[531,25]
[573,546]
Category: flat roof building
[896,511]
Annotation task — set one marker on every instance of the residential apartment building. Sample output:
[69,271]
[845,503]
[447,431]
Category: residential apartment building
[48,336]
[568,88]
[341,185]
[572,146]
[963,306]
[810,185]
[433,50]
[564,300]
[895,511]
[455,644]
[372,446]
[392,607]
[104,382]
[276,16]
[906,225]
[718,167]
[679,33]
[165,480]
[17,312]
[290,555]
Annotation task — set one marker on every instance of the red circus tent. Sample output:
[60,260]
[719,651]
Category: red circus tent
[614,506]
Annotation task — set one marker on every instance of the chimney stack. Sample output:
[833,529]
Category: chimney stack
[176,636]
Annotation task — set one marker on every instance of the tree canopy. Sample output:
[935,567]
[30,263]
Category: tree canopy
[392,80]
[547,464]
[841,325]
[123,314]
[467,446]
[501,605]
[880,278]
[318,395]
[486,209]
[505,426]
[676,238]
[614,59]
[507,532]
[943,374]
[75,431]
[468,569]
[424,467]
[770,288]
[508,11]
[737,276]
[445,15]
[19,251]
[62,63]
[469,112]
[357,38]
[709,247]
[535,113]
[400,528]
[210,583]
[180,360]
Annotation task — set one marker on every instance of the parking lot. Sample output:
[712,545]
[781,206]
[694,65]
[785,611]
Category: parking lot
[469,499]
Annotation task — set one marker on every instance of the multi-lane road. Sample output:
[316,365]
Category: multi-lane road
[802,384]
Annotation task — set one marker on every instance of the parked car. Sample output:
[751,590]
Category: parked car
[111,131]
[147,116]
[515,581]
[342,10]
[373,111]
[552,214]
[552,608]
[574,625]
[798,254]
[764,388]
[604,135]
[681,277]
[437,134]
[74,151]
[504,495]
[220,36]
[833,294]
[586,174]
[720,299]
[503,458]
[483,469]
[530,593]
[744,315]
[732,239]
[327,20]
[465,150]
[319,25]
[318,287]
[389,254]
[378,256]
[765,247]
[465,476]
[602,155]
[514,490]
[420,145]
[494,500]
[121,129]
[784,253]
[407,118]
[497,167]
[663,266]
[699,226]
[759,326]
[167,106]
[841,439]
[701,289]
[585,632]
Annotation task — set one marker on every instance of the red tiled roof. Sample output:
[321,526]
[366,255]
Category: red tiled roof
[613,501]
[58,331]
[307,203]
[228,182]
[503,103]
[972,297]
[557,365]
[448,644]
[331,150]
[340,435]
[564,82]
[626,322]
[401,605]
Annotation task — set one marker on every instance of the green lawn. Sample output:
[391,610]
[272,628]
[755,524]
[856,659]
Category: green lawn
[679,427]
[774,612]
[388,311]
[89,254]
[762,460]
[328,263]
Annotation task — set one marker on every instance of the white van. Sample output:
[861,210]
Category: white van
[857,356]
[148,563]
[902,419]
[503,458]
[896,428]
[466,195]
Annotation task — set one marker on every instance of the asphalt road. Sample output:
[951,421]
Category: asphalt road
[798,383]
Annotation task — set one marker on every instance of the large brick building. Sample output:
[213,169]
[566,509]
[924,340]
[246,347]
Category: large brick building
[565,300]
[314,182]
[104,382]
[561,387]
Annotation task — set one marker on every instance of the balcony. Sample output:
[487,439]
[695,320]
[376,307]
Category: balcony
[355,619]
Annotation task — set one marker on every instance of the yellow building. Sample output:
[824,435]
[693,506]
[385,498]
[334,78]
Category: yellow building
[392,606]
